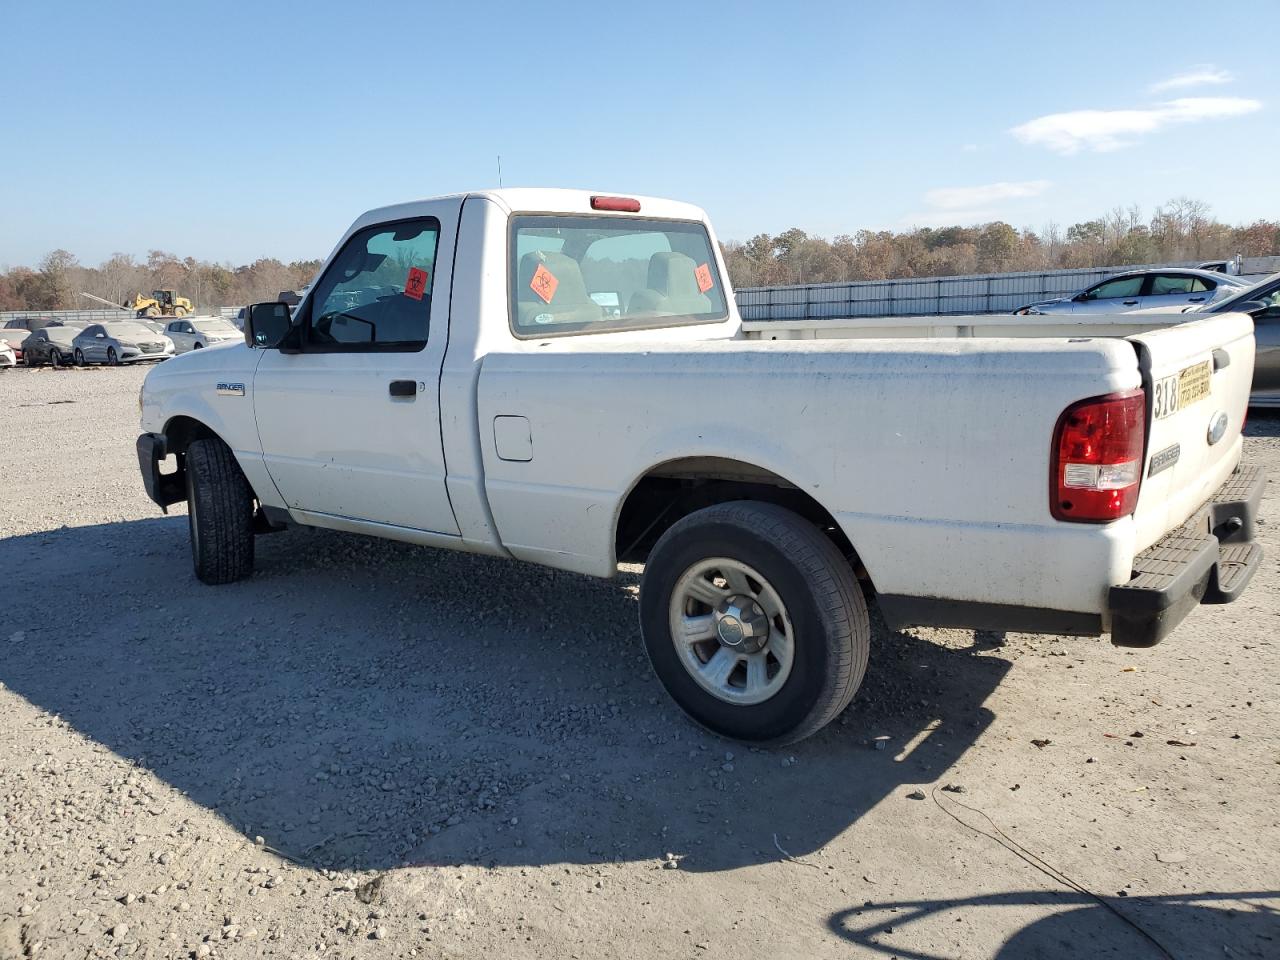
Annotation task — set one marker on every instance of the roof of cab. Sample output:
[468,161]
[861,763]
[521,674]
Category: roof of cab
[544,200]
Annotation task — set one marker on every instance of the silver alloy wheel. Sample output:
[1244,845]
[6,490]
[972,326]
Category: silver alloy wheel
[731,631]
[78,356]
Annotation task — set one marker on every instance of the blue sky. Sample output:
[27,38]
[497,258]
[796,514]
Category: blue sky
[232,131]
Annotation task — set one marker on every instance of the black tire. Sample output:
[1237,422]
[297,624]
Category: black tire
[112,359]
[55,358]
[832,631]
[219,513]
[78,357]
[198,345]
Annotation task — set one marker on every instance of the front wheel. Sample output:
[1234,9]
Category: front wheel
[112,359]
[219,513]
[55,358]
[78,356]
[197,345]
[754,622]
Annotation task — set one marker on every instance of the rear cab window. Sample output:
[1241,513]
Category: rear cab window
[590,274]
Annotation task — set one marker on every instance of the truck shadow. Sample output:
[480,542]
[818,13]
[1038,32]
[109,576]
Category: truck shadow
[364,704]
[1237,924]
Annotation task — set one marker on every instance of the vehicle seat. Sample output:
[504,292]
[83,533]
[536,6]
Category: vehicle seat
[671,288]
[569,304]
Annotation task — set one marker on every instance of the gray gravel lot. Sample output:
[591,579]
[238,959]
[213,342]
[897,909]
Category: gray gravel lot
[375,750]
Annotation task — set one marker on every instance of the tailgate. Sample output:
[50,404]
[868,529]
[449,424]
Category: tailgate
[1197,378]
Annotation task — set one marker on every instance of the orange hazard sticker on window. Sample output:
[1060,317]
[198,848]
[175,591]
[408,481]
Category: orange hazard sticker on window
[544,283]
[415,285]
[703,275]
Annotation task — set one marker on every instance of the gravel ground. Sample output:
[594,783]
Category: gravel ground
[374,750]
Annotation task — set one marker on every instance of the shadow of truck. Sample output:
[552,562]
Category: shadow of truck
[366,704]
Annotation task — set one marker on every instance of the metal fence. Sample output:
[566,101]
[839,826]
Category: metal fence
[926,296]
[88,316]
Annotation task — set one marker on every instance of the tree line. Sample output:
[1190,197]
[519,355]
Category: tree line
[1180,230]
[59,279]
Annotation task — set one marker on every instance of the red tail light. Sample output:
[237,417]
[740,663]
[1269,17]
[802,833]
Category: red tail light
[621,204]
[1097,458]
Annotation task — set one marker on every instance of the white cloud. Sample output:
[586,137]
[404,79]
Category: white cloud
[1106,130]
[949,218]
[969,198]
[1204,75]
[963,206]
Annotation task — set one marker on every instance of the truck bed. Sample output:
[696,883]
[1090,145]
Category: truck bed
[983,325]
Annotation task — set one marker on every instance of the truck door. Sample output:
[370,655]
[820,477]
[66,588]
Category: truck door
[349,416]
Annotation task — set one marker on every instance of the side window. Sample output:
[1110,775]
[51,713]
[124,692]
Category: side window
[1170,284]
[174,328]
[377,292]
[1120,287]
[1200,285]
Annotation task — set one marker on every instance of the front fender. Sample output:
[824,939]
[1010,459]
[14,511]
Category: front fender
[214,388]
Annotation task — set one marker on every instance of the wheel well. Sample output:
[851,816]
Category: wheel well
[676,489]
[181,431]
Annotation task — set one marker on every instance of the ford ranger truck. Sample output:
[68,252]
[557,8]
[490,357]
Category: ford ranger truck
[561,377]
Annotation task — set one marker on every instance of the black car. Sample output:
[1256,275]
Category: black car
[50,344]
[1262,302]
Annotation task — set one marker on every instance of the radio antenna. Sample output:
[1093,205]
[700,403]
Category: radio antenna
[499,171]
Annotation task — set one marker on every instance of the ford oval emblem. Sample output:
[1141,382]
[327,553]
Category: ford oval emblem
[1217,427]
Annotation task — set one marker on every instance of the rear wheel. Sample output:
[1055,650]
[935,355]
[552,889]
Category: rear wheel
[754,622]
[219,513]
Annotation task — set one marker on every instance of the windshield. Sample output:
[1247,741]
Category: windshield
[1267,291]
[215,326]
[590,274]
[129,331]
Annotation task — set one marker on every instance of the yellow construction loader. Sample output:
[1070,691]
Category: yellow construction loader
[161,303]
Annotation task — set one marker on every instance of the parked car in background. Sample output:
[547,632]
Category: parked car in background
[117,343]
[54,345]
[1169,290]
[196,333]
[1262,302]
[7,356]
[13,333]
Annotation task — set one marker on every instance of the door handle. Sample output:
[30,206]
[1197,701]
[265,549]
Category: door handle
[404,388]
[1196,300]
[1130,303]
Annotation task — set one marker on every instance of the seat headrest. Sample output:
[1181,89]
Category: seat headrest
[570,290]
[671,274]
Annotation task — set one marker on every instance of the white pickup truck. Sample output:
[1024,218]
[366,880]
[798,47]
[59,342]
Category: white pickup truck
[563,378]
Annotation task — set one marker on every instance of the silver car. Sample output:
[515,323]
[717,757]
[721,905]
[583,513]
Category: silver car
[117,343]
[1262,302]
[1171,289]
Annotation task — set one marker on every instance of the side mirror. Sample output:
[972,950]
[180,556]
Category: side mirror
[100,336]
[266,324]
[1080,297]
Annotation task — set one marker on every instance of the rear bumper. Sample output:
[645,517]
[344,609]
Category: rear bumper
[1209,559]
[164,488]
